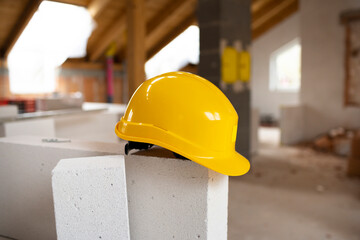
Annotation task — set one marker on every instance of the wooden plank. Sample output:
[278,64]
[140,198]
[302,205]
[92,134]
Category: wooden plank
[96,7]
[80,3]
[136,44]
[116,30]
[83,65]
[274,17]
[10,12]
[181,27]
[169,15]
[20,25]
[267,7]
[256,5]
[157,24]
[164,14]
[283,5]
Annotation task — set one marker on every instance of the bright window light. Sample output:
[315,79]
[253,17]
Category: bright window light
[177,54]
[285,67]
[56,32]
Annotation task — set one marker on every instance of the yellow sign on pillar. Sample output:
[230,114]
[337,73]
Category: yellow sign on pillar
[229,65]
[244,62]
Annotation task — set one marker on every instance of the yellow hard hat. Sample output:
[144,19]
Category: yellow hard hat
[188,115]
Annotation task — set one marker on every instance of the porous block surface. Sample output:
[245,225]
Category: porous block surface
[90,198]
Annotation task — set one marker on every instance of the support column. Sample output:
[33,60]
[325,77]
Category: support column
[136,44]
[226,23]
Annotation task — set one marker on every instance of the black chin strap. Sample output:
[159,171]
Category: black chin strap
[144,146]
[136,145]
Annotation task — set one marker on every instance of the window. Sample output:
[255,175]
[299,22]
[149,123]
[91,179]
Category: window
[285,67]
[56,32]
[181,51]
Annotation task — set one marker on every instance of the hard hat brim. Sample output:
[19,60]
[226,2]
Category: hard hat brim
[230,163]
[233,164]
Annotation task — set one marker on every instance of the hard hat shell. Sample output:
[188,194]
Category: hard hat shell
[188,115]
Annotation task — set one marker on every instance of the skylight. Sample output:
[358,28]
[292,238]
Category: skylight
[56,32]
[181,51]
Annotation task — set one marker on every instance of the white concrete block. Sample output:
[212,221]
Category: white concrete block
[26,202]
[175,199]
[8,111]
[168,198]
[90,198]
[34,127]
[292,124]
[90,126]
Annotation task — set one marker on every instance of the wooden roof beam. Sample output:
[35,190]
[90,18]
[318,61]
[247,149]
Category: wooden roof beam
[188,21]
[256,5]
[168,15]
[136,25]
[83,65]
[270,13]
[96,7]
[19,26]
[275,16]
[267,7]
[156,27]
[115,30]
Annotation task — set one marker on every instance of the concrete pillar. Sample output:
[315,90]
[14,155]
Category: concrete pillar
[90,198]
[226,23]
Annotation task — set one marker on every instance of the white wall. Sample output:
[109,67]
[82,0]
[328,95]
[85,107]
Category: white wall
[323,44]
[269,102]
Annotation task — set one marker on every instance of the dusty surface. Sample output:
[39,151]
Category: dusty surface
[293,193]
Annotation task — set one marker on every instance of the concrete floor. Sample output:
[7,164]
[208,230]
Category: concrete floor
[293,193]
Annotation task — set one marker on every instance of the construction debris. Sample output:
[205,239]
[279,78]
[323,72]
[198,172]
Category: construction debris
[337,141]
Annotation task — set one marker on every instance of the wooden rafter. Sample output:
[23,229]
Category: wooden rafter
[96,7]
[136,26]
[109,36]
[181,27]
[80,3]
[20,25]
[75,64]
[256,5]
[157,27]
[267,7]
[273,17]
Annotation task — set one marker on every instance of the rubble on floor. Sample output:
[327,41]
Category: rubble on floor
[337,141]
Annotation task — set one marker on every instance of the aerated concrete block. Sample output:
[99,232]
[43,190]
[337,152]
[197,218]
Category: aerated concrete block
[8,111]
[175,199]
[168,198]
[90,198]
[291,124]
[34,127]
[91,126]
[26,202]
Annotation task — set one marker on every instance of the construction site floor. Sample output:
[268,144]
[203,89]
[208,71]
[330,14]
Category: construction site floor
[293,193]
